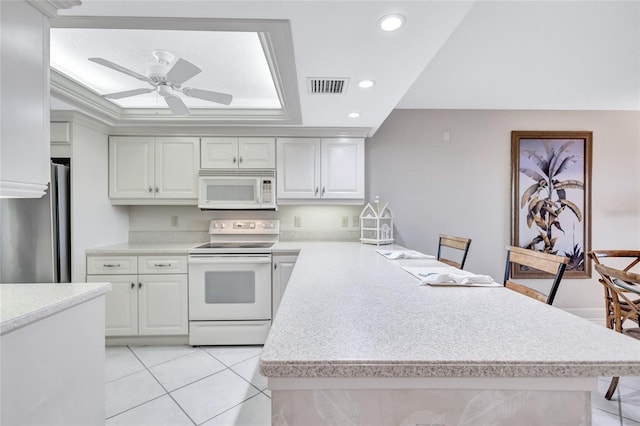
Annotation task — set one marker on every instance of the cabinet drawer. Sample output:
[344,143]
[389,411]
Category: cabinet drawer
[162,264]
[108,265]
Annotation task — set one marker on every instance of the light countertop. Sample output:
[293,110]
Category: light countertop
[349,312]
[143,248]
[22,304]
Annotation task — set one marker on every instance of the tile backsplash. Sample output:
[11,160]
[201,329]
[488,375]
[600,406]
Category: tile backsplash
[297,223]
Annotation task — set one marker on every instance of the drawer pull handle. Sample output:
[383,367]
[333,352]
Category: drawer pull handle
[110,265]
[133,285]
[160,265]
[139,285]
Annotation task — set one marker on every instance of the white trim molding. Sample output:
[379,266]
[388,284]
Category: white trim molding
[50,7]
[11,189]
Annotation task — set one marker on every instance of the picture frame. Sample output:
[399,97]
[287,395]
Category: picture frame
[551,197]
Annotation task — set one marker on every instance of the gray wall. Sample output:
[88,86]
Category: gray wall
[463,187]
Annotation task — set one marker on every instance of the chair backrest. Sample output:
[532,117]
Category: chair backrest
[554,265]
[632,256]
[619,257]
[457,243]
[625,288]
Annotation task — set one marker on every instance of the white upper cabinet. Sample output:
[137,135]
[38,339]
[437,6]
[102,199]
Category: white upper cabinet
[177,161]
[149,170]
[298,173]
[257,153]
[324,170]
[131,167]
[24,108]
[233,153]
[342,168]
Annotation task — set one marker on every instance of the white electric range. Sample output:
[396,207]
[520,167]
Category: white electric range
[230,283]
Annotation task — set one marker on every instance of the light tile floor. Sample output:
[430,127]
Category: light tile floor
[221,385]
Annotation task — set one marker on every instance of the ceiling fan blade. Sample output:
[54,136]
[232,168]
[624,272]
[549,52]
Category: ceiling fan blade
[176,105]
[113,66]
[127,93]
[181,71]
[207,95]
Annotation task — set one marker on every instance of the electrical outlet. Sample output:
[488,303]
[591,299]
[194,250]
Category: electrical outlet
[355,221]
[297,222]
[345,221]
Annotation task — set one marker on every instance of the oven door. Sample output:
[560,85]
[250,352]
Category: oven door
[229,192]
[229,287]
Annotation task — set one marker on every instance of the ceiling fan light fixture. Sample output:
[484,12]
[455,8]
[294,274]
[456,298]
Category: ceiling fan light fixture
[391,22]
[166,76]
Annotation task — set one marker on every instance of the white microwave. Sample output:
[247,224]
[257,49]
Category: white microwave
[220,189]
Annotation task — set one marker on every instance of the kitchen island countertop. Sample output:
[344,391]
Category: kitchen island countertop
[23,304]
[349,312]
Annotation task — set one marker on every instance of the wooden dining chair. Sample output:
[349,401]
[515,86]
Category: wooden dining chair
[624,286]
[456,243]
[554,265]
[630,258]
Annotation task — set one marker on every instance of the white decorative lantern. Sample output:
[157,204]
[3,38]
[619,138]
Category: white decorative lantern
[376,225]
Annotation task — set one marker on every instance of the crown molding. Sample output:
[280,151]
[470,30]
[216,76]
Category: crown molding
[270,131]
[50,7]
[77,117]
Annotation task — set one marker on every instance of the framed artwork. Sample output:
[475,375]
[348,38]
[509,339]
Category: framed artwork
[551,197]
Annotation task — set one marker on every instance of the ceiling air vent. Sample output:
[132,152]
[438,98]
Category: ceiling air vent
[327,86]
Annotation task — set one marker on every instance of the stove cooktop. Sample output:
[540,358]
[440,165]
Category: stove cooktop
[235,245]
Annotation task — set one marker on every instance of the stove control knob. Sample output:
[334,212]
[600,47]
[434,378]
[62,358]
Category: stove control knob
[264,224]
[252,225]
[223,226]
[272,225]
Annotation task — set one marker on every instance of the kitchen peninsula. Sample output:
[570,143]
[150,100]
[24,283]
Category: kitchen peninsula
[357,338]
[52,353]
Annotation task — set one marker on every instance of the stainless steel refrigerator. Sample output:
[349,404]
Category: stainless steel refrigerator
[35,240]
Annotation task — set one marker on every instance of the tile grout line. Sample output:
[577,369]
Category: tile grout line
[161,385]
[165,389]
[230,408]
[143,364]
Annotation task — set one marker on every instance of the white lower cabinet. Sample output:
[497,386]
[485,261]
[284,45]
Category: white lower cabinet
[282,266]
[150,304]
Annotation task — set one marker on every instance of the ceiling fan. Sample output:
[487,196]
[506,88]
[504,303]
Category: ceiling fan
[166,77]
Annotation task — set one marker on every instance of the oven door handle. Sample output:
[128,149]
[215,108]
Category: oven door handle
[213,260]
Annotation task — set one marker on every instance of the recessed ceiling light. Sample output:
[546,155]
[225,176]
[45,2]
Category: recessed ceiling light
[354,114]
[365,84]
[391,22]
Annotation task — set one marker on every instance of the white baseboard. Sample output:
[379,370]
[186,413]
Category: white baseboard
[592,314]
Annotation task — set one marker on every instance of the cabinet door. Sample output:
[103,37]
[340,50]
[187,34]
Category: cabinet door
[121,304]
[298,170]
[177,163]
[131,167]
[282,268]
[219,153]
[257,153]
[163,304]
[342,168]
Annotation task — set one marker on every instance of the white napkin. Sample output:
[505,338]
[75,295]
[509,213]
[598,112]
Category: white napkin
[404,254]
[453,279]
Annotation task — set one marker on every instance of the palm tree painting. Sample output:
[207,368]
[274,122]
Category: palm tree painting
[551,176]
